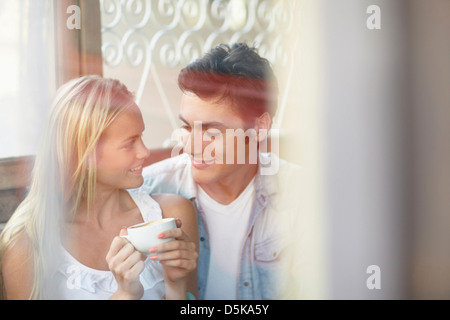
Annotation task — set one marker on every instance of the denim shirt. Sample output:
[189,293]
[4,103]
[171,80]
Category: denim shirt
[261,261]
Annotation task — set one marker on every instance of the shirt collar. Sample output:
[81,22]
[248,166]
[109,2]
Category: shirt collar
[266,181]
[191,187]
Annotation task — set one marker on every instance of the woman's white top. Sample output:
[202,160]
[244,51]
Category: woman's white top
[76,281]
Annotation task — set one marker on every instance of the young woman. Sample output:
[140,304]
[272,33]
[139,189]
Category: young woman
[63,241]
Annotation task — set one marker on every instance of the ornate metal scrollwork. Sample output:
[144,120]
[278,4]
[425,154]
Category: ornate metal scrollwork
[172,33]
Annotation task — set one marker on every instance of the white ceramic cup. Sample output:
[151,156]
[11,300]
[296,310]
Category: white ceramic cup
[144,236]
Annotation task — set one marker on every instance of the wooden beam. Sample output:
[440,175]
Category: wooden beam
[15,172]
[15,176]
[67,44]
[90,38]
[78,51]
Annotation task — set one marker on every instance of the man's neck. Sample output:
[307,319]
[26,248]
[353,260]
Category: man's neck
[229,188]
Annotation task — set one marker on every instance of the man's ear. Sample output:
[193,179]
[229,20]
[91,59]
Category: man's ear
[262,126]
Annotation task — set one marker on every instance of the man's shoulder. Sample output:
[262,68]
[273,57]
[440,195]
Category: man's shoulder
[278,167]
[287,181]
[172,175]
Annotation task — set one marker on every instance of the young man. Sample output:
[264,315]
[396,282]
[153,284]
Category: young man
[242,195]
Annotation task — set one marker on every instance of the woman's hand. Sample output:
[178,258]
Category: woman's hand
[126,264]
[178,257]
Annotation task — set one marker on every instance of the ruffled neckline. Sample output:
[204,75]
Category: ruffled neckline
[91,279]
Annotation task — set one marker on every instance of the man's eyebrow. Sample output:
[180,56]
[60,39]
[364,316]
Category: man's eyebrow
[213,124]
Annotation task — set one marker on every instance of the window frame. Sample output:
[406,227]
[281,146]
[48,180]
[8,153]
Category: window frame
[78,53]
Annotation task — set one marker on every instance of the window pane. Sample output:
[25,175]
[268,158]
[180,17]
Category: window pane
[27,77]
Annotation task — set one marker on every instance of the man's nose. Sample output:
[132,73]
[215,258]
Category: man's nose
[193,143]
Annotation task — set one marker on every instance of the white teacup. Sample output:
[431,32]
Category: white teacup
[144,236]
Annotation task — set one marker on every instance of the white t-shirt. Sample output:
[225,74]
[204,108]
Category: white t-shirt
[227,227]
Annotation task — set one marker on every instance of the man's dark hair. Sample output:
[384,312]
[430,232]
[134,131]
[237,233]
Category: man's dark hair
[235,72]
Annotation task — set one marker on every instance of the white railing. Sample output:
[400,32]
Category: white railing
[172,33]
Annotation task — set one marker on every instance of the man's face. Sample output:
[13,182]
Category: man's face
[215,153]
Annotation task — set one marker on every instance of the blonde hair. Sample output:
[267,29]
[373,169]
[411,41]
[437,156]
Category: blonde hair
[64,172]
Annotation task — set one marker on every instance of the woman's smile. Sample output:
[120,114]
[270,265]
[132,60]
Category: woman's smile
[137,170]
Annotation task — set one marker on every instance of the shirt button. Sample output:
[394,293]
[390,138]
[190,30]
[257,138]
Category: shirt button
[246,284]
[202,239]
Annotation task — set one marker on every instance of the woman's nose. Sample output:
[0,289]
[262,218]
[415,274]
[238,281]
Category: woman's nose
[143,151]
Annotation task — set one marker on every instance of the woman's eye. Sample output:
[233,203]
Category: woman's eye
[129,144]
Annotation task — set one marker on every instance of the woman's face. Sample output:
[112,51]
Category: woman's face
[121,152]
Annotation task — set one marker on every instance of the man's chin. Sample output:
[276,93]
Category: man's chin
[204,175]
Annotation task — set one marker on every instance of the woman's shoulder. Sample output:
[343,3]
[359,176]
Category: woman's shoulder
[17,270]
[17,246]
[174,205]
